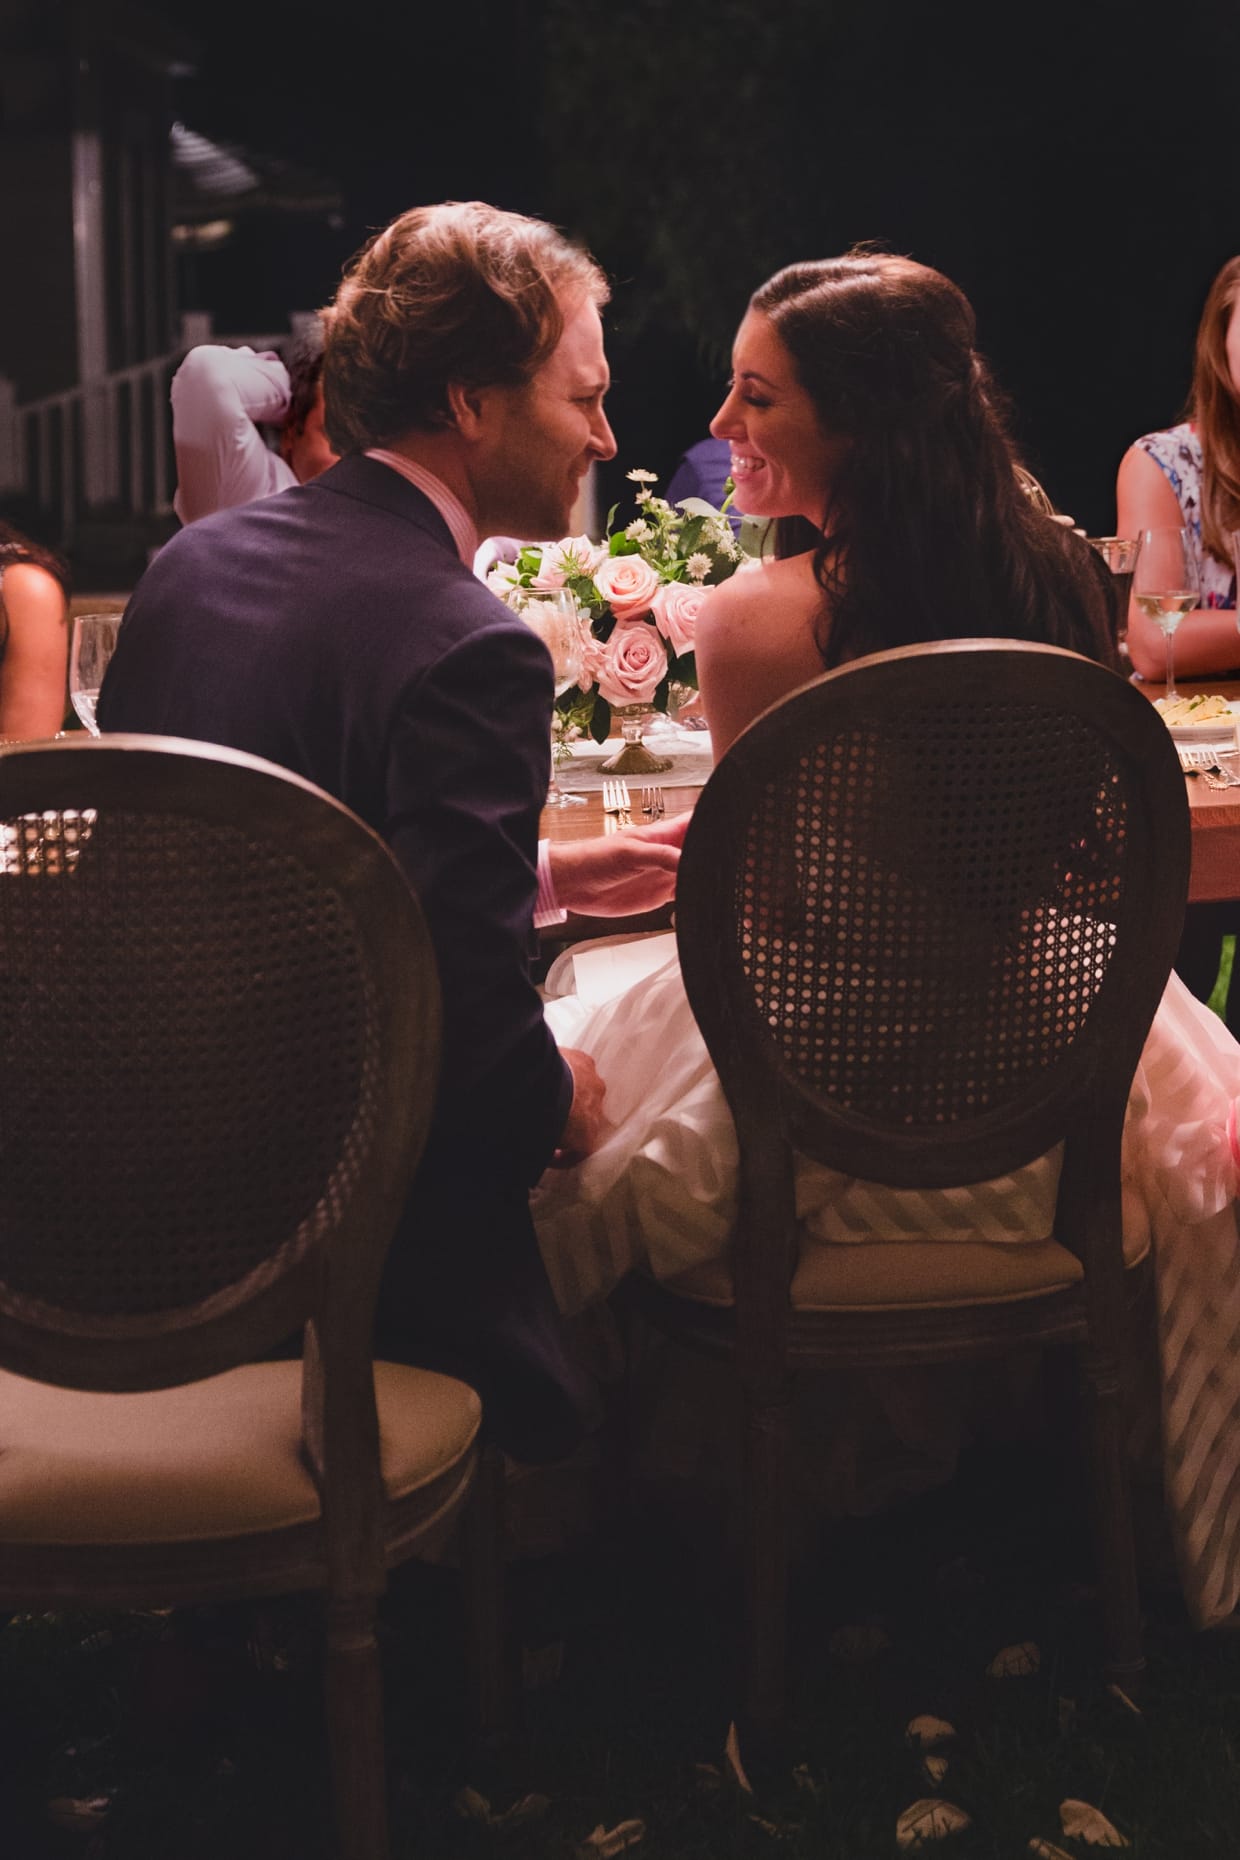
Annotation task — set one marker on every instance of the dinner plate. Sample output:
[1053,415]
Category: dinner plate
[1214,730]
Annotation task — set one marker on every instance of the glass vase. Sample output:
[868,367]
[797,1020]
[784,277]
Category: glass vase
[633,757]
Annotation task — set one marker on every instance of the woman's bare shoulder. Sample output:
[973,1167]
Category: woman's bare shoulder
[762,588]
[26,584]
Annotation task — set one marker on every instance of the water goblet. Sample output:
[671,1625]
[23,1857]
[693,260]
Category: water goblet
[1165,585]
[93,643]
[1120,555]
[560,624]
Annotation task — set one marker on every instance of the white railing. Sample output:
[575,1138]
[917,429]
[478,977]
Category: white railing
[104,447]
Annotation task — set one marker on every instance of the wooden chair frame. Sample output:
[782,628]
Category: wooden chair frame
[1079,1098]
[322,1281]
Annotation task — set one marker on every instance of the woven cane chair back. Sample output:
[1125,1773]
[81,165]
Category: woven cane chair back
[218,1036]
[927,907]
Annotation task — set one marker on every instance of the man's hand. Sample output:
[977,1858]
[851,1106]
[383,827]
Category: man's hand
[619,874]
[584,1124]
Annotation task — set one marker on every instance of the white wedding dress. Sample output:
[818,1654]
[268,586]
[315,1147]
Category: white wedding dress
[659,1193]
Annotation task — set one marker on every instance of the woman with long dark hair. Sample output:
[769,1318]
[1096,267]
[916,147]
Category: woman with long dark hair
[861,418]
[34,637]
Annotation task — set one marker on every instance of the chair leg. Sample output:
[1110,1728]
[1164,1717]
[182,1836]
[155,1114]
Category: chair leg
[767,1553]
[482,1574]
[1115,1546]
[355,1728]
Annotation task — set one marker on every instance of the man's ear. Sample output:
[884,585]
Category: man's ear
[466,408]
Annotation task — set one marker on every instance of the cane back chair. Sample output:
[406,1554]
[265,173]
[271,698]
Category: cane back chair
[219,1033]
[927,906]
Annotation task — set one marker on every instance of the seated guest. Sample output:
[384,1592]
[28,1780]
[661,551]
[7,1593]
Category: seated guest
[34,637]
[222,397]
[1188,477]
[702,471]
[863,421]
[338,629]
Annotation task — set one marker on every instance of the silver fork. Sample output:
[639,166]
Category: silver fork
[616,797]
[652,802]
[1205,762]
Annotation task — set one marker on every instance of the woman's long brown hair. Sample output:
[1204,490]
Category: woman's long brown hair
[928,533]
[1214,408]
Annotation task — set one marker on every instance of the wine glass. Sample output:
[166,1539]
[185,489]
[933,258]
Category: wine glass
[1120,555]
[94,641]
[559,623]
[1164,585]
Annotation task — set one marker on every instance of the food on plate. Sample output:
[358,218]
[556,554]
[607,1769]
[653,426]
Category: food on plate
[1175,711]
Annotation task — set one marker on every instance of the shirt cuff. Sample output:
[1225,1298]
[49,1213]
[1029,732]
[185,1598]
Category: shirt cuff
[547,907]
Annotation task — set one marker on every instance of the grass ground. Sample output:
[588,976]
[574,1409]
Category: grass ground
[187,1749]
[1218,999]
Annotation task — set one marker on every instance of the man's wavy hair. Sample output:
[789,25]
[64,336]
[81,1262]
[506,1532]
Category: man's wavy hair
[927,533]
[461,292]
[1214,406]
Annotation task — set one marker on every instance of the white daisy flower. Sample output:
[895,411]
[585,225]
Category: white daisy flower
[642,477]
[698,566]
[640,531]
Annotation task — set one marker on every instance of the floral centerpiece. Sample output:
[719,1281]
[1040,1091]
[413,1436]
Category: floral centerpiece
[641,588]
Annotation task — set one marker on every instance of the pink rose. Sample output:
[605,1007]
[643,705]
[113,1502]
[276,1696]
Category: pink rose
[628,584]
[592,658]
[634,665]
[675,608]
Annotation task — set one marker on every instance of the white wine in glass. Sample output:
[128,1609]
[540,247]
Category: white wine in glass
[1165,585]
[561,626]
[94,641]
[1120,555]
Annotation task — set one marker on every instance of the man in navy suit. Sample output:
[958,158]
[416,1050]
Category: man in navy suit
[337,628]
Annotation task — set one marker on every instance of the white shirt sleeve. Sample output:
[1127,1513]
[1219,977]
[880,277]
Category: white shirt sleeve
[547,909]
[218,396]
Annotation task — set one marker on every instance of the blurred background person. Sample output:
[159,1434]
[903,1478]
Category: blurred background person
[702,471]
[1188,476]
[34,637]
[222,398]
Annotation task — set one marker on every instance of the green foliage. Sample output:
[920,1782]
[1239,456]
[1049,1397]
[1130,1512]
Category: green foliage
[686,191]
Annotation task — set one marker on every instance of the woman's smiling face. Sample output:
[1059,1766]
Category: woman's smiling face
[783,463]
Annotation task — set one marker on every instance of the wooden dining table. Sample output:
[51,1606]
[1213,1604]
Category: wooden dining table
[1214,813]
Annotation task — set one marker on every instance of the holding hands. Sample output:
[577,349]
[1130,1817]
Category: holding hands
[621,875]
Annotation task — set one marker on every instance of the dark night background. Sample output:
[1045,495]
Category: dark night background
[1076,172]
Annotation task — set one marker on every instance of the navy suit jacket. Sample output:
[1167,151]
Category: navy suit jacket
[334,629]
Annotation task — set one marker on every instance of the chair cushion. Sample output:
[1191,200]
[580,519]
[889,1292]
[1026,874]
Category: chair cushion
[889,1275]
[219,1458]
